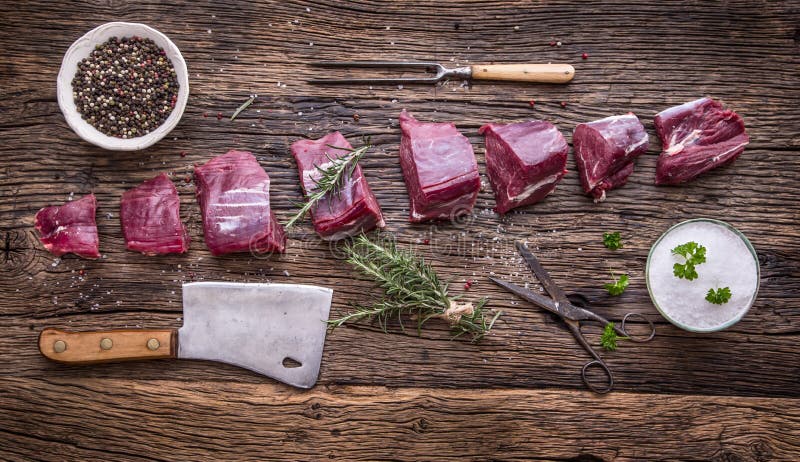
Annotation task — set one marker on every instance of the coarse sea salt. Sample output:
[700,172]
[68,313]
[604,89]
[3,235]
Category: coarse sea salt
[730,262]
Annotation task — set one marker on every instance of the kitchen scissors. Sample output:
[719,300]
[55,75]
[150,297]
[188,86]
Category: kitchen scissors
[572,315]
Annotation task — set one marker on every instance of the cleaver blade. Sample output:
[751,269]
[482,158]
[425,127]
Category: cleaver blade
[277,330]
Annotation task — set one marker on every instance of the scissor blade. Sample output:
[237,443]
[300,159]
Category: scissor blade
[544,277]
[539,300]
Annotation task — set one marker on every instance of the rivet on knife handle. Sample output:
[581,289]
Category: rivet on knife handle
[107,346]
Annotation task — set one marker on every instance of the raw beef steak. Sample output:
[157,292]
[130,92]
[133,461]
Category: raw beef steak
[233,191]
[524,161]
[70,228]
[439,167]
[605,150]
[696,137]
[151,218]
[353,208]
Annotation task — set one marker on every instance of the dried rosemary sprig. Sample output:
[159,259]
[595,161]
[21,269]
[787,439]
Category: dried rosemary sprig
[411,288]
[331,178]
[244,106]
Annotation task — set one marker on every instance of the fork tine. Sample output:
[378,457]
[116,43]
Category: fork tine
[440,71]
[374,64]
[377,81]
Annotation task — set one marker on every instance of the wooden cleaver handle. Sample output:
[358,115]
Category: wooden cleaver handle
[541,73]
[108,346]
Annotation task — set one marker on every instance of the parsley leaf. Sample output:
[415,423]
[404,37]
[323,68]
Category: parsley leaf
[609,337]
[612,241]
[719,296]
[694,254]
[618,286]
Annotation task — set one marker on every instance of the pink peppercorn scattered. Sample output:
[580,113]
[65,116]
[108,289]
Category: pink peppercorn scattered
[532,102]
[82,272]
[219,115]
[468,284]
[183,153]
[205,114]
[426,241]
[563,104]
[552,44]
[585,56]
[188,179]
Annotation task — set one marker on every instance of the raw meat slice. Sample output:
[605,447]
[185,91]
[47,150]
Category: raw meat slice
[233,191]
[696,137]
[524,161]
[353,209]
[151,218]
[605,150]
[440,169]
[70,228]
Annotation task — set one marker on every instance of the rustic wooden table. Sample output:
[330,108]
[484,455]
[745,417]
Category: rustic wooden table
[733,395]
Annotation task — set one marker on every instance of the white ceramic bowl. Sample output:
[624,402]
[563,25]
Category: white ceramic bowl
[735,317]
[82,48]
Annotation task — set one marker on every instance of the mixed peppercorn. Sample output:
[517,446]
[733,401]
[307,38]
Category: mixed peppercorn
[126,87]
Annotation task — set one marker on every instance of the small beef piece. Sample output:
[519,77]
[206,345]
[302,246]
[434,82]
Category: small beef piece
[151,218]
[233,191]
[70,228]
[605,150]
[352,209]
[440,169]
[697,137]
[524,161]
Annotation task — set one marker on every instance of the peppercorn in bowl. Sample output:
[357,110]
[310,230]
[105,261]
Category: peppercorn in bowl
[123,86]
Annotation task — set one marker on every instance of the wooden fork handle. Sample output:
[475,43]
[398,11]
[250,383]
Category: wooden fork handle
[539,73]
[108,346]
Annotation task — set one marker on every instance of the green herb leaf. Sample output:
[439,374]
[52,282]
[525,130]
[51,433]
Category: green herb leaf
[609,337]
[695,254]
[411,288]
[617,287]
[244,106]
[331,178]
[719,296]
[612,241]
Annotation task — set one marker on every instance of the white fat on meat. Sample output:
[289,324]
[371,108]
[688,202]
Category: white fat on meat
[532,188]
[676,146]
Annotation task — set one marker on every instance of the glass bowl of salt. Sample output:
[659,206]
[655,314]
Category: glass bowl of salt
[731,262]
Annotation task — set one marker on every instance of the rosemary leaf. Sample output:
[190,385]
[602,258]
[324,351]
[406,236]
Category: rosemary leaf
[411,288]
[244,106]
[331,179]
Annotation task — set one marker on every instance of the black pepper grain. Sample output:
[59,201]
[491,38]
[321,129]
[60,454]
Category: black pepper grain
[126,87]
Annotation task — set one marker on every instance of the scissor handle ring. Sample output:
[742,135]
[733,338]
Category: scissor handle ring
[592,386]
[635,338]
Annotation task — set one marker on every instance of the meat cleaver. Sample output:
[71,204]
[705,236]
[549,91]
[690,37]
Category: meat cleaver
[277,330]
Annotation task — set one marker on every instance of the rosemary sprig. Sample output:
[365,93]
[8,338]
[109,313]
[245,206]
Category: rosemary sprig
[244,106]
[412,288]
[331,178]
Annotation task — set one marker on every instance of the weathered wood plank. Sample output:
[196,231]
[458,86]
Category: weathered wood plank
[528,350]
[266,421]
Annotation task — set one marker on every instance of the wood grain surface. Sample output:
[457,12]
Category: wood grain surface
[517,395]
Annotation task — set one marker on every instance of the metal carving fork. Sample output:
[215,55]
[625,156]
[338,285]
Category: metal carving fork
[535,73]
